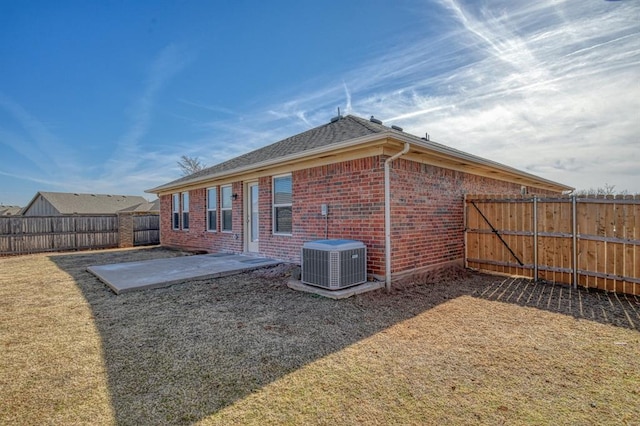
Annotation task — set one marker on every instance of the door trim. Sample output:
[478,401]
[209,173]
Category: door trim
[251,246]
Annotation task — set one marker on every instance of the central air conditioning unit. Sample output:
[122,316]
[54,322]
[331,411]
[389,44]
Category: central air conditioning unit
[334,264]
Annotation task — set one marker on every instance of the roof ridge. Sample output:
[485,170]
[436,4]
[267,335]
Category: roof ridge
[324,134]
[204,171]
[368,124]
[349,129]
[88,194]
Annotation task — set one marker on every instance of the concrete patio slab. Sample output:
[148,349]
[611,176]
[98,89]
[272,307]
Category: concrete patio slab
[147,274]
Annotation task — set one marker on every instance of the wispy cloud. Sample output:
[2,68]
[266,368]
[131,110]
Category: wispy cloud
[568,88]
[347,94]
[546,86]
[130,168]
[214,108]
[32,178]
[32,139]
[127,157]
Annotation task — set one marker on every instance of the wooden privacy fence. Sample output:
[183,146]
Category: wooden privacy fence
[34,234]
[591,242]
[146,229]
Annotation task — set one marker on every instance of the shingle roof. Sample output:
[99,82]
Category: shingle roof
[346,128]
[10,210]
[147,206]
[71,203]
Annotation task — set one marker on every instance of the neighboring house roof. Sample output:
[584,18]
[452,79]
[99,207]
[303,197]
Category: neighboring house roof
[10,210]
[73,203]
[352,132]
[147,206]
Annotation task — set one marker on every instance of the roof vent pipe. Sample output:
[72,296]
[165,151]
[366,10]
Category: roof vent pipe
[387,214]
[337,117]
[375,120]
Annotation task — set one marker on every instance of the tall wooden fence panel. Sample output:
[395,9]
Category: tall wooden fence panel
[33,234]
[146,229]
[592,242]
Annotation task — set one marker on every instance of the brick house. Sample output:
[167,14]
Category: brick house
[400,194]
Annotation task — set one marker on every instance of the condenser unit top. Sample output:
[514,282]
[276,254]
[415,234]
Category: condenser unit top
[333,245]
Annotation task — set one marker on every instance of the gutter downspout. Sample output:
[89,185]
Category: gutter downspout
[387,214]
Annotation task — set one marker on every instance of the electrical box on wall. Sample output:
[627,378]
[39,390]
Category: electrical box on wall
[324,209]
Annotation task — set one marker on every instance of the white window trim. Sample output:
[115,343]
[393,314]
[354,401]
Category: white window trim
[274,205]
[214,188]
[175,208]
[223,209]
[185,209]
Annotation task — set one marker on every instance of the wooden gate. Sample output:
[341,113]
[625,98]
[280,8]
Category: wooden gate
[146,229]
[592,242]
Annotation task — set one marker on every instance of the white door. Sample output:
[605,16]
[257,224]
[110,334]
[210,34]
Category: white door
[253,225]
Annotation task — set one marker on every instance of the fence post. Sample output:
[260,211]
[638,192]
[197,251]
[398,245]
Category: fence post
[11,244]
[125,229]
[574,216]
[464,220]
[535,238]
[75,232]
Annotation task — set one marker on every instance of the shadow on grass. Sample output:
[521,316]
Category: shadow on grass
[179,354]
[591,304]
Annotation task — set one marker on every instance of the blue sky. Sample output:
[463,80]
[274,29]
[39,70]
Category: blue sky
[104,97]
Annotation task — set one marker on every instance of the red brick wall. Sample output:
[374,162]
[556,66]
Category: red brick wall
[354,194]
[284,247]
[197,237]
[427,213]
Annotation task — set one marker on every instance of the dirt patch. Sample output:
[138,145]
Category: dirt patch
[436,276]
[281,272]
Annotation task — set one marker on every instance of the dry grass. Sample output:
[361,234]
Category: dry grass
[458,349]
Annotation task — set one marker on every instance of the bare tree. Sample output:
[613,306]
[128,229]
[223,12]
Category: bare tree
[190,165]
[607,189]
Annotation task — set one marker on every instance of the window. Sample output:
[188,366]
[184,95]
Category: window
[225,208]
[175,215]
[212,209]
[185,210]
[282,213]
